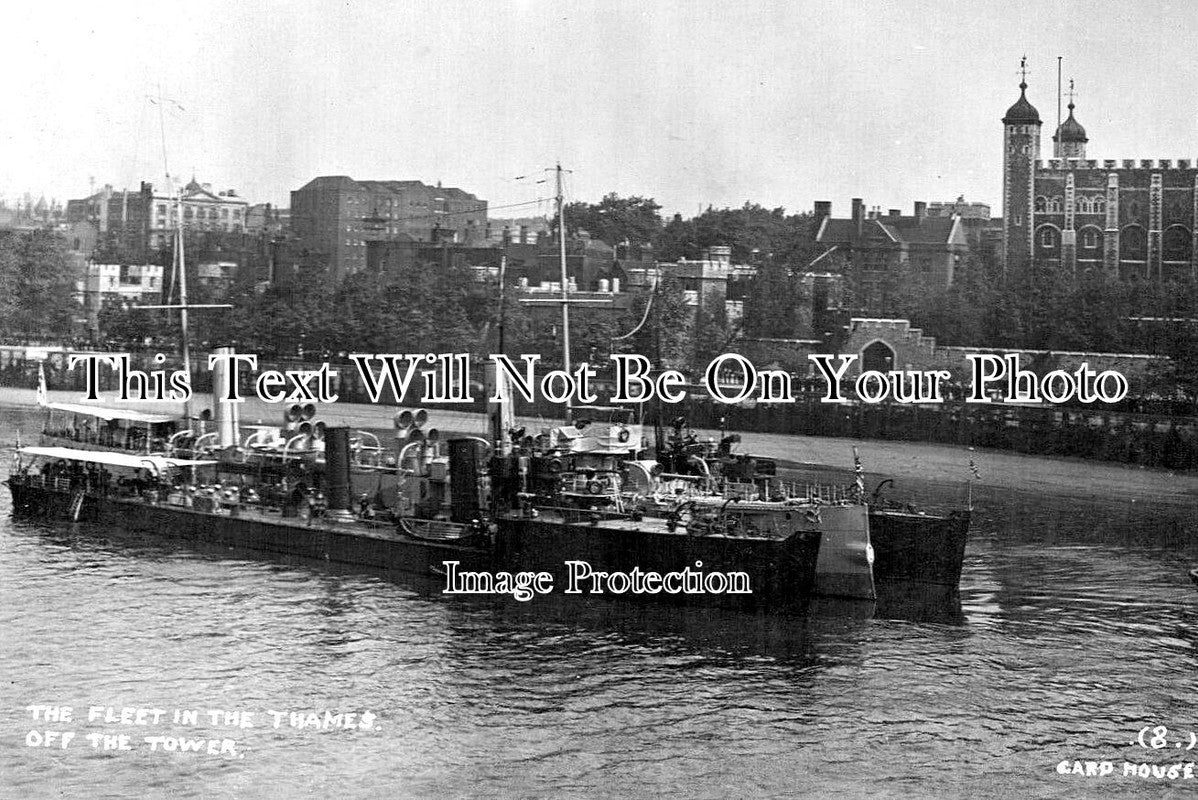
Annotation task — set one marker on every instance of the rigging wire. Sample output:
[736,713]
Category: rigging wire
[641,324]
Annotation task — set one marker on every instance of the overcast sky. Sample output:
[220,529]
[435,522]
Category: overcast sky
[692,103]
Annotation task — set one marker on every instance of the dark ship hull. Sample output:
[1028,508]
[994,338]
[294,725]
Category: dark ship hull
[780,573]
[378,546]
[910,547]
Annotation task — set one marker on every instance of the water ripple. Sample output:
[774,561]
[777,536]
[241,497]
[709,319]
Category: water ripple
[1067,641]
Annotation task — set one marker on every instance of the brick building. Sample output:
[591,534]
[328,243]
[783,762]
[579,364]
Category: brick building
[335,216]
[930,246]
[132,226]
[121,220]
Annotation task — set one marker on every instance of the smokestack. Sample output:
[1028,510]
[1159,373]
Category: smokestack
[858,215]
[465,503]
[228,415]
[337,482]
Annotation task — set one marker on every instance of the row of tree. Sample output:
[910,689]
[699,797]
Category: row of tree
[755,233]
[448,310]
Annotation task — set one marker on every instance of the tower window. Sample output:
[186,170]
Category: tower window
[1176,244]
[1132,244]
[1054,205]
[1041,205]
[1046,238]
[1089,238]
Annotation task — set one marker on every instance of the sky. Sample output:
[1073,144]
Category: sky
[692,103]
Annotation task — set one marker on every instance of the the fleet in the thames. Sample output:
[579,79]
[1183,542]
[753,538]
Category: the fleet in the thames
[588,504]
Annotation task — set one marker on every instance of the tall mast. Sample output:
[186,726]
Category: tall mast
[180,262]
[181,265]
[1058,130]
[561,239]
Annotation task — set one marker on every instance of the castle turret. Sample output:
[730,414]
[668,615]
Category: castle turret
[1070,139]
[1021,149]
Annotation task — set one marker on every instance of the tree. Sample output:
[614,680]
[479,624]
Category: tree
[125,327]
[713,336]
[39,285]
[776,304]
[616,219]
[755,234]
[665,336]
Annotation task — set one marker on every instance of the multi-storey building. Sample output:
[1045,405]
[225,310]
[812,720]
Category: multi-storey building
[335,216]
[121,220]
[931,247]
[132,225]
[203,211]
[1129,218]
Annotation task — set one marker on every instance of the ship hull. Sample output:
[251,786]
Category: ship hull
[918,548]
[780,573]
[379,547]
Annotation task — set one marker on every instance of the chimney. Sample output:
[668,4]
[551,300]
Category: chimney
[720,254]
[894,212]
[823,209]
[921,209]
[858,215]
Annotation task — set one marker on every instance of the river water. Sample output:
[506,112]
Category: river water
[1074,630]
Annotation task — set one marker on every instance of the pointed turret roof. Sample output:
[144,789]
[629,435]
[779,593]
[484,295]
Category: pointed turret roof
[1023,112]
[1071,130]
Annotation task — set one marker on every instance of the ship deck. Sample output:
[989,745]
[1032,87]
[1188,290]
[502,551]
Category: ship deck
[656,525]
[383,530]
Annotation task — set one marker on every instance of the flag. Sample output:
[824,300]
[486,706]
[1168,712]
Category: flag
[860,472]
